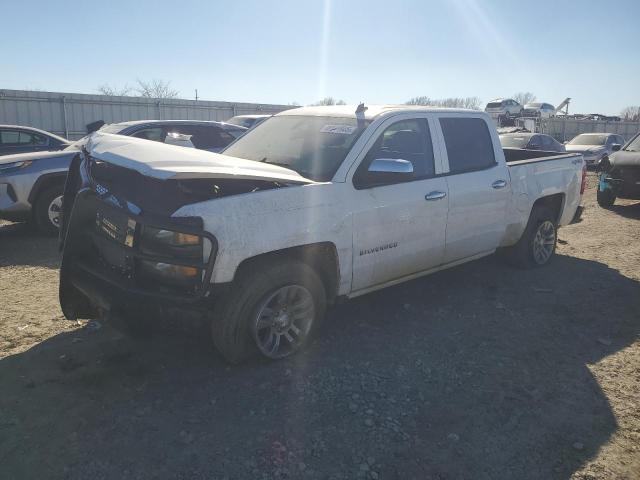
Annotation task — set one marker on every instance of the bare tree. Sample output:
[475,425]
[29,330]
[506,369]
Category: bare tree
[155,89]
[329,101]
[631,114]
[426,101]
[114,91]
[524,97]
[451,102]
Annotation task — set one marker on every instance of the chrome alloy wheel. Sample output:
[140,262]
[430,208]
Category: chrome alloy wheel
[544,242]
[283,321]
[53,211]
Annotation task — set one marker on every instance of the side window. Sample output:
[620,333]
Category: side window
[10,137]
[468,142]
[535,142]
[547,142]
[154,133]
[405,140]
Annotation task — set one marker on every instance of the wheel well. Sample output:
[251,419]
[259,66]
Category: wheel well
[44,182]
[553,202]
[322,257]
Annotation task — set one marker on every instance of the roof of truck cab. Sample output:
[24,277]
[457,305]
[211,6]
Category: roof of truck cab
[163,122]
[371,112]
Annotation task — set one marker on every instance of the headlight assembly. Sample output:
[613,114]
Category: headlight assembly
[158,241]
[14,165]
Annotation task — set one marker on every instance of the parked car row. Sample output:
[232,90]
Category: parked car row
[594,147]
[31,184]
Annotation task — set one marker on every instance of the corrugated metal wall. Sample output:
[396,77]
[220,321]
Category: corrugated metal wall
[563,129]
[67,114]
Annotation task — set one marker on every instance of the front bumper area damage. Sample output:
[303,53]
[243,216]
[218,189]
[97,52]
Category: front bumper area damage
[621,181]
[122,256]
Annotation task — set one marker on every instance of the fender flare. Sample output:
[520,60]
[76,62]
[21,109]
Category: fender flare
[44,181]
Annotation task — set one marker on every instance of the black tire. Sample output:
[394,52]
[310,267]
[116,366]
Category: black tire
[233,317]
[605,199]
[41,209]
[523,253]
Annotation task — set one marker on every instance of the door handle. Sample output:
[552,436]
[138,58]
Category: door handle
[435,195]
[499,184]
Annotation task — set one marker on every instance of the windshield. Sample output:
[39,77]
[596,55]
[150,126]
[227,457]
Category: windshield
[634,145]
[312,146]
[514,141]
[589,140]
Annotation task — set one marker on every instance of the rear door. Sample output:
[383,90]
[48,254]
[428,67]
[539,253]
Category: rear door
[399,226]
[478,186]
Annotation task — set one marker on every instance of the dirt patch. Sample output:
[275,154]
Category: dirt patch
[481,371]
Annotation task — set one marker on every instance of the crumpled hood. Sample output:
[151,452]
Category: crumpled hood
[21,157]
[625,159]
[158,160]
[585,148]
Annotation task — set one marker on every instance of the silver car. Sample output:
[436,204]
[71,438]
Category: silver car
[503,107]
[541,110]
[595,147]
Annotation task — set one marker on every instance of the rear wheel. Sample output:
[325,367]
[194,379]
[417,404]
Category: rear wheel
[537,245]
[605,198]
[48,208]
[272,310]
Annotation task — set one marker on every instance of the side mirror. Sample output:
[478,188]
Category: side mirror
[615,147]
[389,170]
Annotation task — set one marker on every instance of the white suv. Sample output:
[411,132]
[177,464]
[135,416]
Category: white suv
[503,107]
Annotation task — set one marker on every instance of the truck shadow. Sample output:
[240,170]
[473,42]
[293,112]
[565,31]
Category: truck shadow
[628,211]
[21,245]
[477,372]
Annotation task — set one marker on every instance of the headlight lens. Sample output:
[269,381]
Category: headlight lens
[15,165]
[157,241]
[170,273]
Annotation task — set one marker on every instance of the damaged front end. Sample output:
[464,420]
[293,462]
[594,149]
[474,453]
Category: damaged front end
[123,249]
[619,179]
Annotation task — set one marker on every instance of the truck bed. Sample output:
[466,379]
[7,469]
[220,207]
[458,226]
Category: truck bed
[518,156]
[536,174]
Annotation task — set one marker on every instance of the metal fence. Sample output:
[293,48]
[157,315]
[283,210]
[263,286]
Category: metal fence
[563,129]
[68,114]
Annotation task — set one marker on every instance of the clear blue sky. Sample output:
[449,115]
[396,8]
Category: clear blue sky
[301,50]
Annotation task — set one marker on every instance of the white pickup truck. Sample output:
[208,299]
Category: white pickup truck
[313,205]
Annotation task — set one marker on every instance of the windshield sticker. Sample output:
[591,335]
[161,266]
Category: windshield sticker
[339,129]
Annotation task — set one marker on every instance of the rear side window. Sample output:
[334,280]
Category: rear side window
[468,142]
[18,138]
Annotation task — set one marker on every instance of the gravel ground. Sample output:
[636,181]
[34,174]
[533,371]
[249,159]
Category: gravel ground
[479,372]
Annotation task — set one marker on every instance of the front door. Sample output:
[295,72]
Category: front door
[399,226]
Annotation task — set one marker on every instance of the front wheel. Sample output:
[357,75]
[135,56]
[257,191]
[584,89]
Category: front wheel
[273,309]
[537,245]
[48,208]
[605,198]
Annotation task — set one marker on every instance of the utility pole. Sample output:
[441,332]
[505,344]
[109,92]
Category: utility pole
[196,94]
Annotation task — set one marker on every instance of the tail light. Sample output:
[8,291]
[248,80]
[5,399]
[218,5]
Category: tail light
[583,185]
